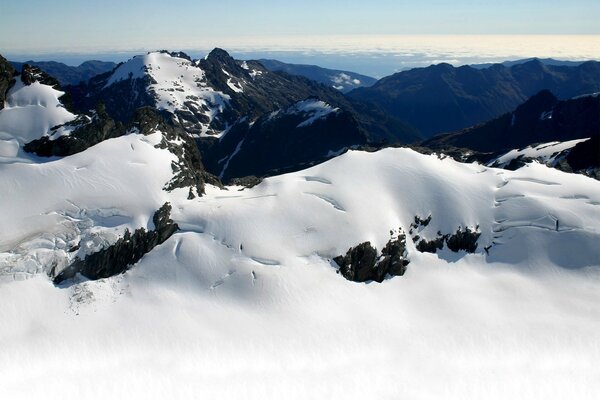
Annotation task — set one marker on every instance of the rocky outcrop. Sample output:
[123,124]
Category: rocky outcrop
[463,239]
[361,263]
[7,79]
[128,250]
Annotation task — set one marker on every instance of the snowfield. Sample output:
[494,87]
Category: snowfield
[245,302]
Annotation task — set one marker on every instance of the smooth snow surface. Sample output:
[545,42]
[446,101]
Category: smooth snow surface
[243,302]
[545,152]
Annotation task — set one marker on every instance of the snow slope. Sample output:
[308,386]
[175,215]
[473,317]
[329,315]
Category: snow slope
[87,199]
[29,113]
[244,302]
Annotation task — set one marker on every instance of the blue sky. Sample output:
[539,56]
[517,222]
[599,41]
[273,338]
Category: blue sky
[59,25]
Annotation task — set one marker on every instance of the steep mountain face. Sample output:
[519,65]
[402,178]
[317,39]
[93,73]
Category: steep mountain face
[305,133]
[69,75]
[442,98]
[542,118]
[7,74]
[343,81]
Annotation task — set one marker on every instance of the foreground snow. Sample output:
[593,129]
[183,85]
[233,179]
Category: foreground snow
[244,303]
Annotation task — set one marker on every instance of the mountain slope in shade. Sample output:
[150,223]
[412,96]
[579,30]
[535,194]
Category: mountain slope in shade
[542,118]
[67,74]
[249,301]
[305,133]
[343,81]
[442,98]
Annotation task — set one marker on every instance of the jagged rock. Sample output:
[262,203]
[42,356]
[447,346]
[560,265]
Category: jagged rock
[128,250]
[464,240]
[393,256]
[431,246]
[361,264]
[358,264]
[7,79]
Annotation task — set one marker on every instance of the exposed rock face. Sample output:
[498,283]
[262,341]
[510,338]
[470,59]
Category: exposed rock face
[463,239]
[358,264]
[128,250]
[308,132]
[361,264]
[7,79]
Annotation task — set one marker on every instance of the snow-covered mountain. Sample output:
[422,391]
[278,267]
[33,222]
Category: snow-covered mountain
[209,95]
[216,96]
[125,267]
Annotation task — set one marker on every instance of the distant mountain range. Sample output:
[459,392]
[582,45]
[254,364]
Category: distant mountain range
[545,61]
[69,75]
[442,98]
[343,81]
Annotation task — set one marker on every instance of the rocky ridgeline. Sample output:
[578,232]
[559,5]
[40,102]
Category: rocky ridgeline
[128,250]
